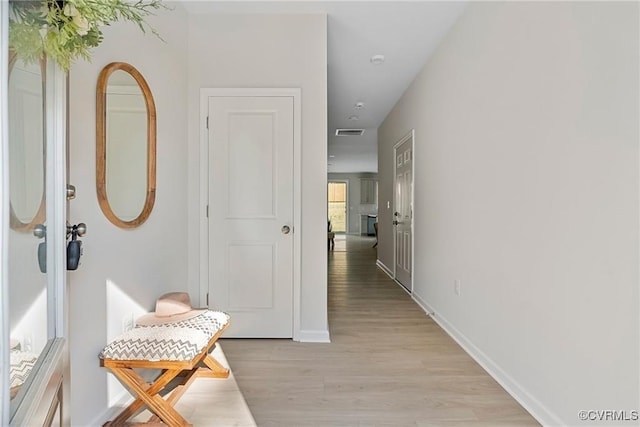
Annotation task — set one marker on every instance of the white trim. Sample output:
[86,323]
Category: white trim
[320,336]
[384,268]
[297,207]
[409,135]
[60,305]
[204,199]
[536,408]
[296,94]
[57,209]
[423,304]
[389,273]
[4,215]
[402,287]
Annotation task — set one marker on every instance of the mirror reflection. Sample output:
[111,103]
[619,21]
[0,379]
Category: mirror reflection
[126,141]
[27,284]
[26,144]
[125,145]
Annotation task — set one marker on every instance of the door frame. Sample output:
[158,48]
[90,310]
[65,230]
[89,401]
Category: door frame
[410,135]
[4,213]
[346,202]
[296,94]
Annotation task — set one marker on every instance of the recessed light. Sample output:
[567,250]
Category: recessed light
[359,105]
[331,156]
[377,59]
[354,118]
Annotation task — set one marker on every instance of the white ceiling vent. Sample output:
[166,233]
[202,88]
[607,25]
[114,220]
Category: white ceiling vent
[349,132]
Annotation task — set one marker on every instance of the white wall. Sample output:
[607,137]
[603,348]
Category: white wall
[526,190]
[269,51]
[356,209]
[123,271]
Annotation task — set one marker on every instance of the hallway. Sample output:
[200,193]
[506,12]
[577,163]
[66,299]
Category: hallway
[388,363]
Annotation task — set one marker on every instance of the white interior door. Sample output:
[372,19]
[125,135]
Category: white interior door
[403,211]
[251,140]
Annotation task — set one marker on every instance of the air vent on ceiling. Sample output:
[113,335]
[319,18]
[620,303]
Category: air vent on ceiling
[349,132]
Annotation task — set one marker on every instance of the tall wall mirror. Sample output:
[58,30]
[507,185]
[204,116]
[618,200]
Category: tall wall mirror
[29,320]
[125,145]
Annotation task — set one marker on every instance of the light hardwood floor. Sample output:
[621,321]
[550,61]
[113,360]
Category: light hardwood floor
[388,363]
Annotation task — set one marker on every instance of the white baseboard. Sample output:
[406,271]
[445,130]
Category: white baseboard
[536,408]
[385,268]
[315,336]
[423,305]
[390,274]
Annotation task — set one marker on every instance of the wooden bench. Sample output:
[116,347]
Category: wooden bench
[178,349]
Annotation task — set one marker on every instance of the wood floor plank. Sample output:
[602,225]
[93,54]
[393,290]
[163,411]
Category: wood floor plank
[388,363]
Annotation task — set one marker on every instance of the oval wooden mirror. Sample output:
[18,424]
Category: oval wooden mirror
[125,145]
[27,142]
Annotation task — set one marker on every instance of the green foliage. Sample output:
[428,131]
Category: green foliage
[66,30]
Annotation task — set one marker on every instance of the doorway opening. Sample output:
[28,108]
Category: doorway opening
[337,206]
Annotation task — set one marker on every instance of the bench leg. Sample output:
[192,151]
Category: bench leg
[177,393]
[213,369]
[147,395]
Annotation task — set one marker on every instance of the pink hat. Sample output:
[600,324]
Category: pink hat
[170,308]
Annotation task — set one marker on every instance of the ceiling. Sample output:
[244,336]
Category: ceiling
[405,32]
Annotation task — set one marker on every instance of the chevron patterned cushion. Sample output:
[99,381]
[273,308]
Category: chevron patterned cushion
[209,322]
[157,343]
[21,364]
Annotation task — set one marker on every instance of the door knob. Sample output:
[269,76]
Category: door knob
[79,229]
[40,231]
[71,192]
[395,222]
[285,229]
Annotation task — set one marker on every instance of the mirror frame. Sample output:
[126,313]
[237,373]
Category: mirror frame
[101,145]
[40,215]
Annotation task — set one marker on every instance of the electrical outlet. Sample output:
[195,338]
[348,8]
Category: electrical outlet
[28,343]
[127,323]
[456,287]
